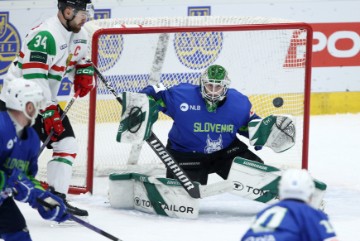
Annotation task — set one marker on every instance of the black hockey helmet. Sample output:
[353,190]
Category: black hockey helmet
[76,4]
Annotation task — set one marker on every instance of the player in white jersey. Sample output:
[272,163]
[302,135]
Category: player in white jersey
[55,49]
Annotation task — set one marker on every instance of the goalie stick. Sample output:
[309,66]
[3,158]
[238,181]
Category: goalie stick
[160,150]
[80,221]
[155,74]
[66,110]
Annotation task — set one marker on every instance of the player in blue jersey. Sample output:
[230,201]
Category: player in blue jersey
[19,147]
[206,118]
[292,218]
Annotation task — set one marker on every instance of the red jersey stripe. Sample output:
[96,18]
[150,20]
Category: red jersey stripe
[63,154]
[35,65]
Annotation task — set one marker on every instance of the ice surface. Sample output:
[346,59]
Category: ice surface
[334,158]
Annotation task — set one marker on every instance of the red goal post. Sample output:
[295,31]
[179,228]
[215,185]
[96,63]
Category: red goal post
[266,58]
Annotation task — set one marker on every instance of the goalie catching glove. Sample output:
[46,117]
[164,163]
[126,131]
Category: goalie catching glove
[139,113]
[275,131]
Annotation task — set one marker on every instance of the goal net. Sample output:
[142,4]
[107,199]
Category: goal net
[266,59]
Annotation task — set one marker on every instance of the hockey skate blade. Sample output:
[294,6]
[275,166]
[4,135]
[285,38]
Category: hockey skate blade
[69,223]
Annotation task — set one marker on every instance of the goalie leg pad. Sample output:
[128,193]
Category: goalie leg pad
[162,196]
[121,191]
[259,182]
[216,188]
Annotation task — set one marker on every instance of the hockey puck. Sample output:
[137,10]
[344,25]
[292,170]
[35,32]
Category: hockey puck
[278,102]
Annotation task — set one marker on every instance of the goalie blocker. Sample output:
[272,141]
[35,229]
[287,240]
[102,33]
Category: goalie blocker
[138,115]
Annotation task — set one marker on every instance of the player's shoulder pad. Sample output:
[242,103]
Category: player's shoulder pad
[82,34]
[33,137]
[81,37]
[184,87]
[7,130]
[44,42]
[233,95]
[32,133]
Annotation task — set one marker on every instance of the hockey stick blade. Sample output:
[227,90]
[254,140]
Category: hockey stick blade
[159,148]
[81,222]
[67,108]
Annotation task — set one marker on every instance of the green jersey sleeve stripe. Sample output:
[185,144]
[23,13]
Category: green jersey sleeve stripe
[55,77]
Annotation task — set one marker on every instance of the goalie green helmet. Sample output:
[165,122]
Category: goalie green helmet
[214,83]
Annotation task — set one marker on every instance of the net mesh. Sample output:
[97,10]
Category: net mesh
[264,62]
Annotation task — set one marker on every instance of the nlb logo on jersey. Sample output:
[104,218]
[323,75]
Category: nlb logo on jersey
[185,107]
[10,143]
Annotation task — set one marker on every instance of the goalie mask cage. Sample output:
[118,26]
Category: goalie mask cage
[265,58]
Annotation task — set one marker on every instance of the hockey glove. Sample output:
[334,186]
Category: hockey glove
[52,120]
[5,191]
[57,212]
[84,79]
[24,189]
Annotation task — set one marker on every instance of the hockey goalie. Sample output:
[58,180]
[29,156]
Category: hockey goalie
[203,140]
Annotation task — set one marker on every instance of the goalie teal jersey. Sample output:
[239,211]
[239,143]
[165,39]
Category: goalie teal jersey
[197,129]
[290,220]
[20,153]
